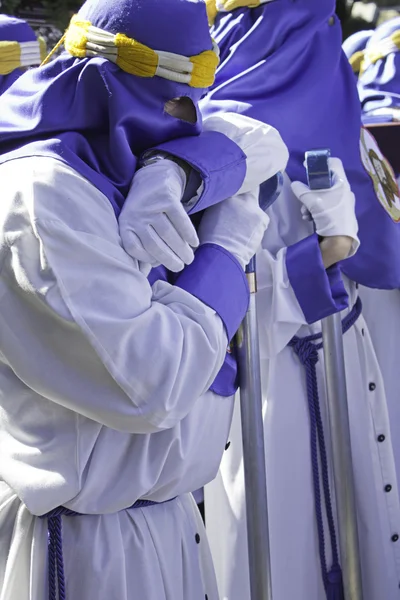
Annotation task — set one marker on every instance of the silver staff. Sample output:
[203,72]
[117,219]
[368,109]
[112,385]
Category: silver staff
[335,376]
[248,354]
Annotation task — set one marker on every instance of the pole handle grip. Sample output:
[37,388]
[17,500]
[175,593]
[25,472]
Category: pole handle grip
[317,168]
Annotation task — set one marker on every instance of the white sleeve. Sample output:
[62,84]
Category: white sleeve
[173,462]
[279,313]
[80,324]
[266,152]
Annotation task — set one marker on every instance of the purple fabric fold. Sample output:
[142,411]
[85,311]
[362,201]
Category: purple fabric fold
[6,81]
[220,162]
[193,183]
[319,291]
[159,273]
[216,278]
[226,382]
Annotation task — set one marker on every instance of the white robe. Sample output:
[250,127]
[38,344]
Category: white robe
[294,543]
[381,310]
[103,401]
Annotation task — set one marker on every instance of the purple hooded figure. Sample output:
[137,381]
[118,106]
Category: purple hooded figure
[282,63]
[19,50]
[107,416]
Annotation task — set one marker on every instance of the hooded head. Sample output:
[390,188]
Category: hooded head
[379,81]
[379,89]
[282,63]
[102,102]
[19,49]
[354,48]
[222,6]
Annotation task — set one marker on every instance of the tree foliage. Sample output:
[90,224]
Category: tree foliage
[55,12]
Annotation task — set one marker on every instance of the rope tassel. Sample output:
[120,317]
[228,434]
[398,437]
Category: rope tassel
[335,589]
[307,350]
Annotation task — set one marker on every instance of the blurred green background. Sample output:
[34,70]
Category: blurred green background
[48,17]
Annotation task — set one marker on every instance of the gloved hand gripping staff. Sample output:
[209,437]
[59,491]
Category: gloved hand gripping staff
[319,177]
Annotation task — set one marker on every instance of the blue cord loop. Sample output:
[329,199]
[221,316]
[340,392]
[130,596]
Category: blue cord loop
[307,350]
[56,574]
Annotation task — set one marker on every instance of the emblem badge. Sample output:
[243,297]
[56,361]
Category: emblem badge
[381,173]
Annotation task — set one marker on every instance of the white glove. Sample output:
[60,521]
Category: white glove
[265,150]
[237,224]
[153,224]
[333,209]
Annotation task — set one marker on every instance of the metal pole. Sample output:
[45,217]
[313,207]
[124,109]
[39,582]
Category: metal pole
[248,353]
[255,474]
[338,410]
[335,375]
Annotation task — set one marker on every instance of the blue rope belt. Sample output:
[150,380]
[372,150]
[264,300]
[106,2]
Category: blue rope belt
[55,546]
[307,350]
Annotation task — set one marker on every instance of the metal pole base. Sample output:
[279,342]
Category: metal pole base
[335,375]
[254,456]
